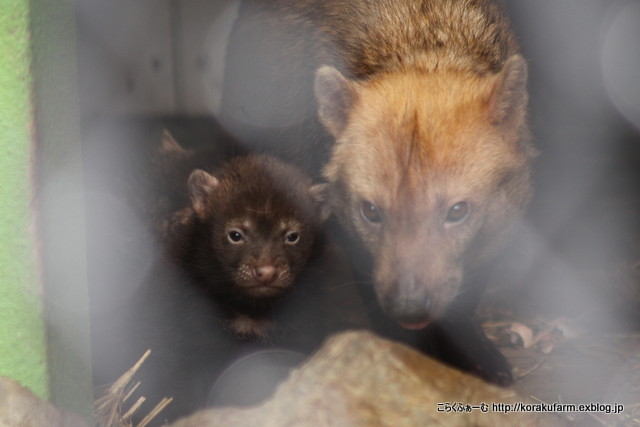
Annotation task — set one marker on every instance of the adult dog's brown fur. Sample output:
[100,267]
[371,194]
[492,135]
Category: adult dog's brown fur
[414,110]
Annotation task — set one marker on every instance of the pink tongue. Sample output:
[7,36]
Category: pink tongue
[415,326]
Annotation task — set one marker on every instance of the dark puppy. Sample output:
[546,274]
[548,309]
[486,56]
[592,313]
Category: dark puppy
[242,271]
[252,228]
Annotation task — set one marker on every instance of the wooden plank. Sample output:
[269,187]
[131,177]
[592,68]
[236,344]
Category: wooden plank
[60,204]
[125,57]
[201,38]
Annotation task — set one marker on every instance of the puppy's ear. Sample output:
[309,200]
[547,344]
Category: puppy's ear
[335,95]
[320,195]
[169,145]
[202,187]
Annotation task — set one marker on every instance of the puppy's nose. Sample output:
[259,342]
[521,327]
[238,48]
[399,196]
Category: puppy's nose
[264,273]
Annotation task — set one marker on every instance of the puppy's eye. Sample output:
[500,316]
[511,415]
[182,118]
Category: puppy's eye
[235,237]
[370,212]
[292,237]
[458,213]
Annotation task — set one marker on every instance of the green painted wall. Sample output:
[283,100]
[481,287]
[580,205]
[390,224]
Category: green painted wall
[44,317]
[22,337]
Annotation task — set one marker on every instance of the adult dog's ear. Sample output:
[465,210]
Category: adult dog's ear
[320,194]
[508,102]
[335,95]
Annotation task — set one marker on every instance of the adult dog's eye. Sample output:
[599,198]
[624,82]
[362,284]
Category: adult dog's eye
[292,237]
[370,212]
[235,237]
[458,213]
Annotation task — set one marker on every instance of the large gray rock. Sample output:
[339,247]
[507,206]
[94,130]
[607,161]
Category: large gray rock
[357,379]
[21,408]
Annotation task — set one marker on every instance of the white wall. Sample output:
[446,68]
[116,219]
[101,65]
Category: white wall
[151,57]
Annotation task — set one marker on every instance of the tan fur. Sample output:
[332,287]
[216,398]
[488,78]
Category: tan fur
[426,103]
[414,157]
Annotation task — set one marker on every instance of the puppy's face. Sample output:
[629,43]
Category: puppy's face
[260,223]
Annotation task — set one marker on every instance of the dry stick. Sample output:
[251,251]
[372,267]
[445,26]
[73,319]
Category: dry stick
[115,391]
[113,413]
[133,389]
[108,403]
[497,324]
[533,368]
[155,411]
[133,409]
[126,378]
